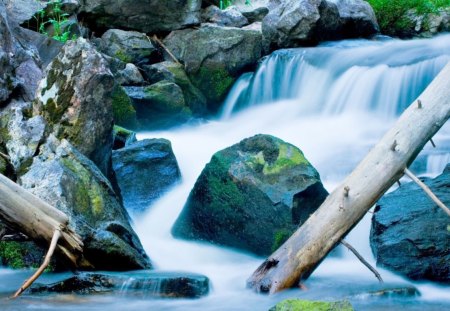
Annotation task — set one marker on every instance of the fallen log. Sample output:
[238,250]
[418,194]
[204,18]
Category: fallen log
[26,213]
[384,165]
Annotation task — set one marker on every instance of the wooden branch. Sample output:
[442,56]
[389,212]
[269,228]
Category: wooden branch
[166,49]
[427,191]
[297,258]
[361,258]
[5,156]
[48,257]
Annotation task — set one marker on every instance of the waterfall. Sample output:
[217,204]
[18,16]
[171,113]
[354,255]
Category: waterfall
[349,76]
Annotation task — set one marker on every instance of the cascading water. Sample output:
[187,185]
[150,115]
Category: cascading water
[334,102]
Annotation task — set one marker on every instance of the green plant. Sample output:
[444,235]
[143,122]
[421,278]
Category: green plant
[55,17]
[226,3]
[392,14]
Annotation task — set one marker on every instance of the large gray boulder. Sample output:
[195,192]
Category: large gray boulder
[149,16]
[410,234]
[294,23]
[144,171]
[252,196]
[75,100]
[215,56]
[67,180]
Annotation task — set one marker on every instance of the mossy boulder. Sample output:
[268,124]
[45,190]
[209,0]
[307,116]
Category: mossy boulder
[174,72]
[252,196]
[410,233]
[144,171]
[66,179]
[128,46]
[159,105]
[75,100]
[123,109]
[215,56]
[123,137]
[21,254]
[308,305]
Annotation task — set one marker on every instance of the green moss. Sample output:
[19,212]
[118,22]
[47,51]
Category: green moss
[11,254]
[123,111]
[120,54]
[306,305]
[121,131]
[213,82]
[3,165]
[280,237]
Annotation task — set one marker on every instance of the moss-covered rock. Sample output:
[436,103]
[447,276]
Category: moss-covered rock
[123,137]
[159,105]
[215,56]
[20,255]
[123,110]
[252,196]
[308,305]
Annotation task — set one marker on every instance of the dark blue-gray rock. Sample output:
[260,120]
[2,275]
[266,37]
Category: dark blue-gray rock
[174,72]
[144,171]
[145,284]
[357,18]
[160,105]
[230,17]
[75,100]
[69,181]
[410,234]
[255,14]
[252,196]
[218,57]
[128,46]
[149,16]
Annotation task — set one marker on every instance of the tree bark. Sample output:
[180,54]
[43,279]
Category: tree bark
[297,258]
[28,214]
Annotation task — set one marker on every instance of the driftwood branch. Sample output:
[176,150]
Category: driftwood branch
[48,257]
[5,156]
[363,261]
[297,258]
[161,44]
[427,191]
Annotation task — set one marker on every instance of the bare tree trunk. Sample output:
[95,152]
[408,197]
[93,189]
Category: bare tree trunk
[30,215]
[297,258]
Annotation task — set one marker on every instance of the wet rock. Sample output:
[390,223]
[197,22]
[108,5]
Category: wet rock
[218,57]
[404,291]
[255,14]
[410,234]
[160,105]
[144,171]
[299,304]
[67,180]
[128,46]
[174,72]
[123,110]
[424,24]
[357,18]
[123,137]
[230,17]
[252,196]
[75,99]
[146,284]
[143,15]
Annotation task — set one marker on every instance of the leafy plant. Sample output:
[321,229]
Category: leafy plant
[55,17]
[226,3]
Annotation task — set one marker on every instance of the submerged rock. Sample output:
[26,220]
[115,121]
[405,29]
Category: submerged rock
[306,305]
[75,100]
[218,57]
[144,171]
[410,233]
[146,284]
[252,195]
[149,16]
[67,180]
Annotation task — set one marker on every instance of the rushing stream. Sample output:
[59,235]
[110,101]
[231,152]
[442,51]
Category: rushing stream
[333,102]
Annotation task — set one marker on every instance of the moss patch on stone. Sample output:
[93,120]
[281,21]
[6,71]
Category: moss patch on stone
[214,83]
[280,237]
[307,305]
[123,111]
[11,254]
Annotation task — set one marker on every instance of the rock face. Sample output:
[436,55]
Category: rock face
[252,196]
[128,46]
[75,100]
[66,179]
[218,57]
[294,23]
[230,17]
[410,234]
[160,105]
[168,285]
[149,16]
[145,170]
